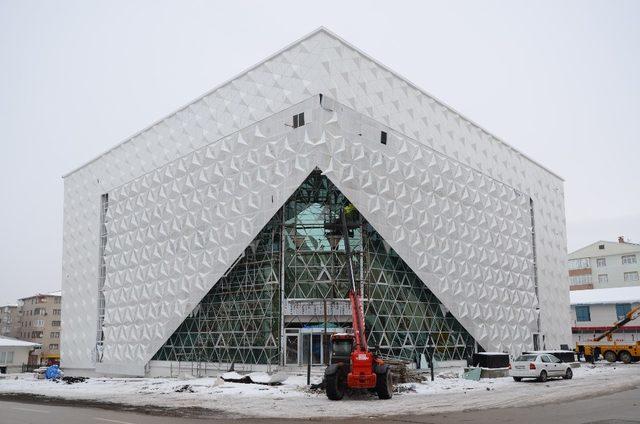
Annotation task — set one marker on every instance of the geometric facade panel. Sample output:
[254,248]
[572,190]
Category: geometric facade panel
[239,320]
[172,233]
[257,104]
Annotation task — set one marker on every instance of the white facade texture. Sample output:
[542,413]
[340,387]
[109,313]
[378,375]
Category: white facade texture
[605,264]
[188,194]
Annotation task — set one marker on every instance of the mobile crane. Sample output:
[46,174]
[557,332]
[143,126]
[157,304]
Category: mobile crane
[353,366]
[613,351]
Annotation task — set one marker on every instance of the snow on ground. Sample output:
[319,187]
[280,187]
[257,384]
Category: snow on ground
[294,399]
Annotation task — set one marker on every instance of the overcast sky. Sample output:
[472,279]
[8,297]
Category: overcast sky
[558,80]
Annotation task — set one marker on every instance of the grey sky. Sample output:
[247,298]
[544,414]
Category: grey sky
[558,80]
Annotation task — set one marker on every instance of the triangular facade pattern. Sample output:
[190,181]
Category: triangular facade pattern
[174,232]
[238,321]
[320,63]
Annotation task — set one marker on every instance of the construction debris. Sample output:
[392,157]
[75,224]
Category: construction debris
[255,378]
[402,373]
[73,380]
[185,388]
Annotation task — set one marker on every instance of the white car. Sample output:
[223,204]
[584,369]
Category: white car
[539,366]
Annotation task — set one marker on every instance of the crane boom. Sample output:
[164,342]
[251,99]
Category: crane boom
[630,316]
[357,309]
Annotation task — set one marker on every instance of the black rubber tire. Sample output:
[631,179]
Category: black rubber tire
[625,357]
[384,384]
[568,375]
[336,385]
[517,378]
[610,356]
[543,376]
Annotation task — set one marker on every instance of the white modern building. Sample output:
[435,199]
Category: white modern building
[14,353]
[210,237]
[605,264]
[594,311]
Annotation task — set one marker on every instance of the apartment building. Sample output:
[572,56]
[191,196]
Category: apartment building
[8,320]
[605,264]
[40,322]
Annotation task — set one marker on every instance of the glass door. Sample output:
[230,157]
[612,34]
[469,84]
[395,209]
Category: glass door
[291,357]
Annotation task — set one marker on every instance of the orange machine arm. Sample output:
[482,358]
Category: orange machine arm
[357,309]
[630,316]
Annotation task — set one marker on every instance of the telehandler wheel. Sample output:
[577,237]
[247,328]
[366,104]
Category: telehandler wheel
[336,385]
[625,357]
[384,384]
[610,356]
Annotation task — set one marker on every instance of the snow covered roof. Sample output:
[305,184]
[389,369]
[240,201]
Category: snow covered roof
[9,342]
[609,248]
[605,296]
[54,293]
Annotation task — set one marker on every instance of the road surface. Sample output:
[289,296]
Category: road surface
[618,408]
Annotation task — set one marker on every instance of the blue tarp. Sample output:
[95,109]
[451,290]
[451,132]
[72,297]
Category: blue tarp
[52,372]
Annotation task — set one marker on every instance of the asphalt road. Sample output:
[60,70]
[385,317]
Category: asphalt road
[618,408]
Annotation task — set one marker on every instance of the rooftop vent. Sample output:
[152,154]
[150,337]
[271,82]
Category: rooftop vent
[621,239]
[298,120]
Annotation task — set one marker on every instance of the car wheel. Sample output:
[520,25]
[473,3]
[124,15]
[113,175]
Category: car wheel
[517,378]
[626,357]
[543,376]
[568,375]
[610,356]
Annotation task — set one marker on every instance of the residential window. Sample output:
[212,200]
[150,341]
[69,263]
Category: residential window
[629,259]
[40,323]
[36,334]
[55,335]
[622,309]
[3,357]
[583,313]
[55,323]
[580,279]
[57,300]
[600,262]
[631,276]
[53,346]
[603,278]
[56,312]
[579,263]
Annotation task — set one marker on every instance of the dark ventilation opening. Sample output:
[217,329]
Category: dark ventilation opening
[601,247]
[298,120]
[383,137]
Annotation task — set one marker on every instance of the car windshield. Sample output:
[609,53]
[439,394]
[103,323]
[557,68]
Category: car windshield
[526,358]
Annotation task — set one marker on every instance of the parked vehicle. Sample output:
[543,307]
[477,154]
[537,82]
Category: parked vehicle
[540,367]
[611,350]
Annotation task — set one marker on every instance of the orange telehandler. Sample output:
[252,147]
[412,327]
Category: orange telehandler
[352,365]
[612,351]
